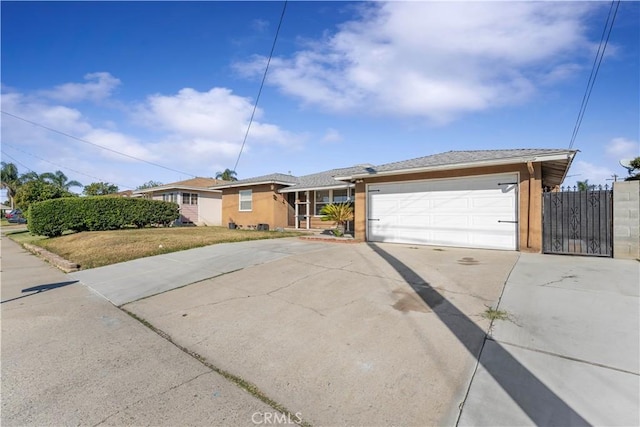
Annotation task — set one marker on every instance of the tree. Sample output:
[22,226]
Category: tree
[339,213]
[99,189]
[10,181]
[59,179]
[30,176]
[635,164]
[227,175]
[38,191]
[583,185]
[149,184]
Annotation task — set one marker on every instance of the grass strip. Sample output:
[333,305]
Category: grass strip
[240,382]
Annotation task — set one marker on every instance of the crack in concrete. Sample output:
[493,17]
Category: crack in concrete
[173,387]
[299,305]
[562,279]
[575,359]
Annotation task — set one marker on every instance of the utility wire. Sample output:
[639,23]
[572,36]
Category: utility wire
[57,165]
[264,77]
[594,69]
[94,144]
[17,161]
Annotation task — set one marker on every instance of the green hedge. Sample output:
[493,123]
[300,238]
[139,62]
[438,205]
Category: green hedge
[53,217]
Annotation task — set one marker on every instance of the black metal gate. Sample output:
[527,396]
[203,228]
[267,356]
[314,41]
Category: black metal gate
[578,222]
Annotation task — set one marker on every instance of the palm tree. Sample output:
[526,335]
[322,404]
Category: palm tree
[59,179]
[227,175]
[583,185]
[30,176]
[339,213]
[10,180]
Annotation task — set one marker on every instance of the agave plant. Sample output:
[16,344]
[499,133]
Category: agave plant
[339,213]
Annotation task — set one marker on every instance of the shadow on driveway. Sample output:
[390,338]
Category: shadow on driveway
[541,404]
[41,288]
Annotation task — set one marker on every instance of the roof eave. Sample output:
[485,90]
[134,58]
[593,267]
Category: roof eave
[173,187]
[325,187]
[249,184]
[466,165]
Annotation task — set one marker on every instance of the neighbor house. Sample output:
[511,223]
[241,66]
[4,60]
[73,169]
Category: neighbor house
[199,204]
[479,199]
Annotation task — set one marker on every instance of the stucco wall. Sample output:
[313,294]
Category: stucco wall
[626,219]
[209,209]
[529,207]
[268,207]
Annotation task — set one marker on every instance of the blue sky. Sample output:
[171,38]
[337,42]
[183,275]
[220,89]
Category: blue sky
[174,83]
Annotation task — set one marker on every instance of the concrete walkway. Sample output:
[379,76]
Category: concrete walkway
[69,357]
[569,354]
[129,281]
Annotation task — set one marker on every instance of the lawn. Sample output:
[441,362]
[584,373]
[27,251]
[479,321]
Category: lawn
[97,248]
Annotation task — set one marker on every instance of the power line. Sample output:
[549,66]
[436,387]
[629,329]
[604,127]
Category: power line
[594,69]
[94,144]
[264,77]
[57,165]
[17,161]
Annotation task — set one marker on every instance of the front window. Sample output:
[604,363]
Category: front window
[170,197]
[189,198]
[325,197]
[246,200]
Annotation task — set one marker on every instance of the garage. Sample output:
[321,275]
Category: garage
[474,212]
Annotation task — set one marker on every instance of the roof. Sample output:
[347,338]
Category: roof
[325,179]
[197,183]
[274,178]
[556,162]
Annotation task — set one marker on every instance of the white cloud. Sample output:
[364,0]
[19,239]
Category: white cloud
[623,148]
[99,86]
[331,135]
[217,116]
[191,131]
[434,60]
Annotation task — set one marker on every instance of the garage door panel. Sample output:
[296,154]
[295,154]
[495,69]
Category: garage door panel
[456,212]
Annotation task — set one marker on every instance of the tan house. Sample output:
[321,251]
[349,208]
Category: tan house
[480,199]
[199,204]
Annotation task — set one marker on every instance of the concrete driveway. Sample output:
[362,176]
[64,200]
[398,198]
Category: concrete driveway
[570,352]
[345,334]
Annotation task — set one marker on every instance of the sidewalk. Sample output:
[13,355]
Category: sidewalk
[574,329]
[69,357]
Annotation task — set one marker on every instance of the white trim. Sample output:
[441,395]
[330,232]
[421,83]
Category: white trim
[332,187]
[248,184]
[466,165]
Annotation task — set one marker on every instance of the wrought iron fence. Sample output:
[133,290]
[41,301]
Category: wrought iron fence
[577,221]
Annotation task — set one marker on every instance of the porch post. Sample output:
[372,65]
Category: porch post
[297,213]
[308,213]
[349,199]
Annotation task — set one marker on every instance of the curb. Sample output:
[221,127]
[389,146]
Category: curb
[51,258]
[330,239]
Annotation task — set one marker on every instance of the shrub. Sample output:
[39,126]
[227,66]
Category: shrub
[339,213]
[53,217]
[38,191]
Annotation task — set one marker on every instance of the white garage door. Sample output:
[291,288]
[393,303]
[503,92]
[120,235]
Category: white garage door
[474,212]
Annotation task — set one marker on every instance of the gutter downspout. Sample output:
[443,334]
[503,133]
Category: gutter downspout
[530,205]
